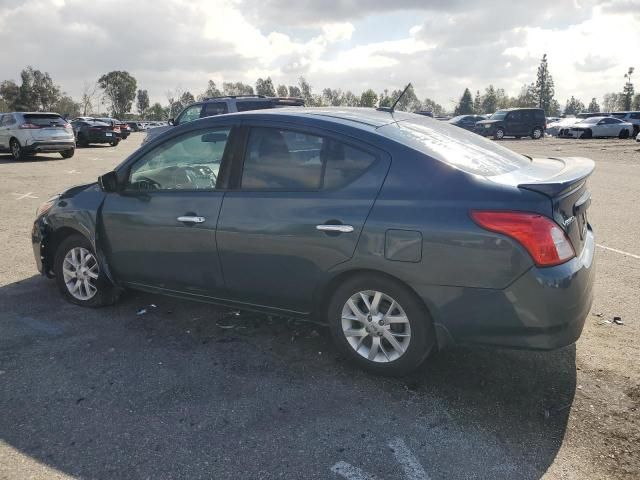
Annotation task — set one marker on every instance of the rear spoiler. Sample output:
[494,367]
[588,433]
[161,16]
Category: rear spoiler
[575,171]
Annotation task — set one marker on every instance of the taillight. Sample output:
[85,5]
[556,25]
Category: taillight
[116,129]
[28,126]
[67,126]
[545,241]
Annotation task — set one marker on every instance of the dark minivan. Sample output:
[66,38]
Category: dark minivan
[514,122]
[401,233]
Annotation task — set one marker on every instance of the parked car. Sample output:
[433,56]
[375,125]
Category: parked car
[94,131]
[219,105]
[27,133]
[121,128]
[631,117]
[468,122]
[514,122]
[554,128]
[584,115]
[136,126]
[594,127]
[638,137]
[426,113]
[402,233]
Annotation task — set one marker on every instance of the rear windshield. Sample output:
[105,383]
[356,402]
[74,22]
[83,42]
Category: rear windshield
[464,150]
[44,119]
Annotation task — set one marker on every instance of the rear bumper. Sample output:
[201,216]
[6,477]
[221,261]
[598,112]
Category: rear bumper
[52,146]
[102,138]
[544,309]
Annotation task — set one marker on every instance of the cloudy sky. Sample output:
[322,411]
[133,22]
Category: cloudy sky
[442,46]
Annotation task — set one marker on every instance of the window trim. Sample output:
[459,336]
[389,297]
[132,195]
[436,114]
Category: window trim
[221,179]
[235,183]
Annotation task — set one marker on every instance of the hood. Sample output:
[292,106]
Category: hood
[155,131]
[487,122]
[70,192]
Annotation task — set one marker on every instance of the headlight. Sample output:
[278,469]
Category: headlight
[46,206]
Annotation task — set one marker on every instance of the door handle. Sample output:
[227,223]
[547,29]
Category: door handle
[335,228]
[191,219]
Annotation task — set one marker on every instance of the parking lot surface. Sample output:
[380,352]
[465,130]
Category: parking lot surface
[155,387]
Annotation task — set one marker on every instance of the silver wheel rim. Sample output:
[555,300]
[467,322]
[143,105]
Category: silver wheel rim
[537,133]
[499,134]
[80,271]
[15,149]
[376,326]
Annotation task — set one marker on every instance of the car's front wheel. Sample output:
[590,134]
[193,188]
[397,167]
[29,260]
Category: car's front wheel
[380,324]
[79,276]
[499,135]
[624,133]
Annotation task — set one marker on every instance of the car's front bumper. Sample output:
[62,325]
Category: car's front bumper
[49,146]
[39,233]
[543,309]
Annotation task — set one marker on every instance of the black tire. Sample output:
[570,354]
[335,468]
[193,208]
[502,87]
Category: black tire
[499,134]
[68,153]
[16,150]
[106,293]
[422,338]
[82,140]
[587,134]
[537,133]
[623,134]
[636,130]
[114,143]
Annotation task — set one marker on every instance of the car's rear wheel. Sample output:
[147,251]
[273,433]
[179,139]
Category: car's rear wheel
[380,325]
[624,133]
[499,135]
[16,149]
[79,276]
[636,130]
[537,133]
[587,134]
[114,143]
[68,153]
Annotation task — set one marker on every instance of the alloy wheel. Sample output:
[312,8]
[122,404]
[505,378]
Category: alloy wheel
[376,326]
[80,271]
[537,133]
[15,150]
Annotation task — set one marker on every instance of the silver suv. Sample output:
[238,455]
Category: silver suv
[212,106]
[27,133]
[630,117]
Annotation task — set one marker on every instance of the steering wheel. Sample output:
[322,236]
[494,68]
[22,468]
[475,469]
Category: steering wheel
[146,183]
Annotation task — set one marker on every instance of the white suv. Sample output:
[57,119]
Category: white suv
[28,133]
[630,117]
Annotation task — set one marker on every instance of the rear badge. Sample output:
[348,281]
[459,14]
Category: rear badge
[568,221]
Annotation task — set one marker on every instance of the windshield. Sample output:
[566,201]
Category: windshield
[499,115]
[591,120]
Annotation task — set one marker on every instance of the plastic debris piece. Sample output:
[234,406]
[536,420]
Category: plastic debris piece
[618,320]
[142,311]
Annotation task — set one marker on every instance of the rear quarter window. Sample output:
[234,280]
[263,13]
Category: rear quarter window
[453,146]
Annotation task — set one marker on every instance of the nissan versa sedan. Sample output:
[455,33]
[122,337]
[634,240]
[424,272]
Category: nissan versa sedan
[401,233]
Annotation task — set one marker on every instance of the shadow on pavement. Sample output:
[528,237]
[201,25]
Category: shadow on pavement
[187,390]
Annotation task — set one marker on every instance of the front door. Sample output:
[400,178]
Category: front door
[160,230]
[515,123]
[301,201]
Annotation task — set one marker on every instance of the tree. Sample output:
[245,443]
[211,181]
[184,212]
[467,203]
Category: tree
[593,106]
[636,102]
[628,91]
[9,93]
[119,89]
[236,88]
[36,91]
[350,99]
[368,98]
[173,98]
[431,106]
[527,97]
[333,98]
[612,101]
[142,104]
[265,87]
[157,113]
[89,92]
[502,99]
[465,106]
[544,89]
[211,91]
[477,104]
[490,100]
[385,99]
[554,109]
[306,92]
[573,106]
[66,107]
[409,101]
[294,91]
[283,91]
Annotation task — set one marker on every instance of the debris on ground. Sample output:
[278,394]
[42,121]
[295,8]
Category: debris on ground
[618,320]
[142,311]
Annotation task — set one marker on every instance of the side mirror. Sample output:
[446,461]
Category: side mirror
[109,182]
[171,121]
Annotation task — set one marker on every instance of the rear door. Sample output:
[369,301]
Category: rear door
[4,130]
[301,199]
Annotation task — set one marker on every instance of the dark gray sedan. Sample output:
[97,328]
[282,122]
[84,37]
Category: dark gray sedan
[402,233]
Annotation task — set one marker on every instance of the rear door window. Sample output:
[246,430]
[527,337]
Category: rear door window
[280,159]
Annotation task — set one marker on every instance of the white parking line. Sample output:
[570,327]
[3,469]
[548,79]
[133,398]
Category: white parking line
[22,196]
[350,472]
[621,252]
[407,460]
[72,171]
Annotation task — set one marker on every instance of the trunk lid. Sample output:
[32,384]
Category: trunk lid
[564,181]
